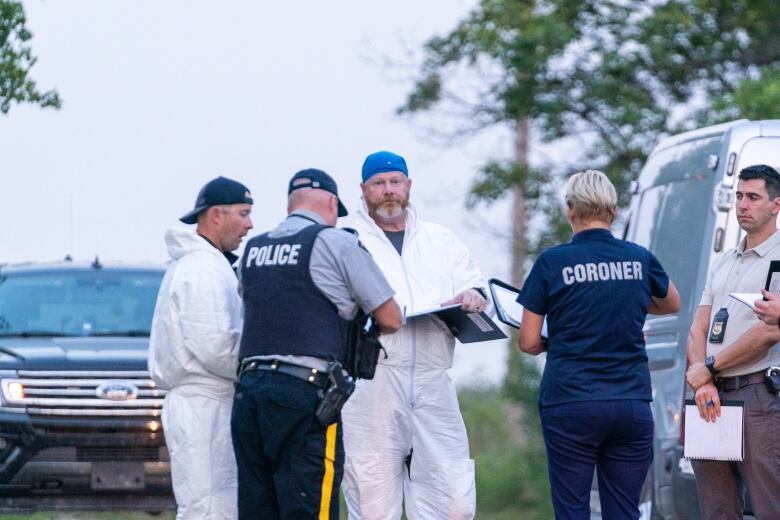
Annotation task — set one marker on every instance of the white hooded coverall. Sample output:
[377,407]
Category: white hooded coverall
[193,353]
[411,402]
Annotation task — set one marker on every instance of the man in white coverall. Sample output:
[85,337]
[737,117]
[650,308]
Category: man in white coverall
[404,436]
[193,349]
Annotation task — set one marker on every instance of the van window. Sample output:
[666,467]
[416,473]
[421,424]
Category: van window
[760,150]
[674,231]
[673,210]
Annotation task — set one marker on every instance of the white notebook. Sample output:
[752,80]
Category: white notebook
[721,440]
[747,298]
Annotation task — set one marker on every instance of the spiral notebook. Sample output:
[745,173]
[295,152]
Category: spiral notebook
[721,440]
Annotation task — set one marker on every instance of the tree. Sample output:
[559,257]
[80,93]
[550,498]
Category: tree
[611,75]
[754,98]
[16,60]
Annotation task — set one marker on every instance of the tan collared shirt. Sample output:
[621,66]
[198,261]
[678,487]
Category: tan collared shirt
[740,271]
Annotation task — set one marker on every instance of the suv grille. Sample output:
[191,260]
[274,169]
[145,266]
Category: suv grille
[119,453]
[82,393]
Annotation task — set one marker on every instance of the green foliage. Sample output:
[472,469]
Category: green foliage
[505,441]
[16,60]
[610,75]
[754,98]
[521,383]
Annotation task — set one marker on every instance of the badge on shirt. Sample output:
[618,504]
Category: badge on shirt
[718,329]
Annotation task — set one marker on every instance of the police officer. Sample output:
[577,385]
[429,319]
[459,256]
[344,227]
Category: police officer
[300,284]
[594,396]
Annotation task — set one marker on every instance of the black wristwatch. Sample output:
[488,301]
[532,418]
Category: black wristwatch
[710,364]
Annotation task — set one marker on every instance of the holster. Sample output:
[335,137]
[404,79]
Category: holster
[363,347]
[772,380]
[335,395]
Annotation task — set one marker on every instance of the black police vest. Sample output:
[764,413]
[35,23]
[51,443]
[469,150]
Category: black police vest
[285,313]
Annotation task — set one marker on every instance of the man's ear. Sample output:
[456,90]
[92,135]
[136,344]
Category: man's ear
[214,214]
[206,217]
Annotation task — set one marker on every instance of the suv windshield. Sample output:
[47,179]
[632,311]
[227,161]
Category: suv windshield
[95,302]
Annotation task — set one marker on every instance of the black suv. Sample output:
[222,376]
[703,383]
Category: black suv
[79,416]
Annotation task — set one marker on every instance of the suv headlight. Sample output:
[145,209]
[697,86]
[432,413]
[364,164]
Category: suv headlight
[13,391]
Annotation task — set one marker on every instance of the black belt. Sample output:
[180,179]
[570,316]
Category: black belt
[310,375]
[729,384]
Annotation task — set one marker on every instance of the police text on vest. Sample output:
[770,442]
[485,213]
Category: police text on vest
[602,271]
[279,254]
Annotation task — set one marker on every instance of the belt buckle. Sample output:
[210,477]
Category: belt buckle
[246,367]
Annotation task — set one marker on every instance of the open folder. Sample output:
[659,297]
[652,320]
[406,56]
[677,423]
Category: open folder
[508,310]
[719,440]
[468,327]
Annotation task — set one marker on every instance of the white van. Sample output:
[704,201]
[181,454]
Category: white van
[682,209]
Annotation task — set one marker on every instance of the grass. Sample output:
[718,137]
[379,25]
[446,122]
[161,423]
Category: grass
[506,444]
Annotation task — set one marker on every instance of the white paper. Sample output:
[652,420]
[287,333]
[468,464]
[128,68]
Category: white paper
[774,283]
[721,440]
[507,301]
[423,312]
[747,298]
[507,306]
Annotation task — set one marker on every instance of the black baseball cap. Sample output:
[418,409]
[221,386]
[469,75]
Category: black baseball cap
[216,192]
[314,178]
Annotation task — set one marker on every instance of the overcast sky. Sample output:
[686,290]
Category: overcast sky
[160,97]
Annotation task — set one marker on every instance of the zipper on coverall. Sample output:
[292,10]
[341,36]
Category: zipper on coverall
[413,324]
[414,336]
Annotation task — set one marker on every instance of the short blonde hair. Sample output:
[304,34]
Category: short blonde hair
[591,196]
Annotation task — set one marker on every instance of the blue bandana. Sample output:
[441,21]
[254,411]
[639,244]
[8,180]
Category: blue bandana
[383,162]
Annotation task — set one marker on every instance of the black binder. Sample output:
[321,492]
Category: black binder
[468,327]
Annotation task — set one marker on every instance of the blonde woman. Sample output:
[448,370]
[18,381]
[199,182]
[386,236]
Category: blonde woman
[595,394]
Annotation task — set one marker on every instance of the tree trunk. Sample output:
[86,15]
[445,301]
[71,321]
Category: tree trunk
[521,382]
[519,217]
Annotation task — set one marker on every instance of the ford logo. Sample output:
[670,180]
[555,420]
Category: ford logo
[117,391]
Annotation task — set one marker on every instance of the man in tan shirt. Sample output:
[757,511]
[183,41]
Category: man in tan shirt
[729,351]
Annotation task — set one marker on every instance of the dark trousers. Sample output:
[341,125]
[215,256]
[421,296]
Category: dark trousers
[613,437]
[289,466]
[718,482]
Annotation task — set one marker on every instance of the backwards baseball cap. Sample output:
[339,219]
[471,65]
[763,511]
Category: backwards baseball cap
[216,192]
[383,162]
[314,178]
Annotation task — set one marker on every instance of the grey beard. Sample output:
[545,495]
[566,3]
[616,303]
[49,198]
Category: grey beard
[388,213]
